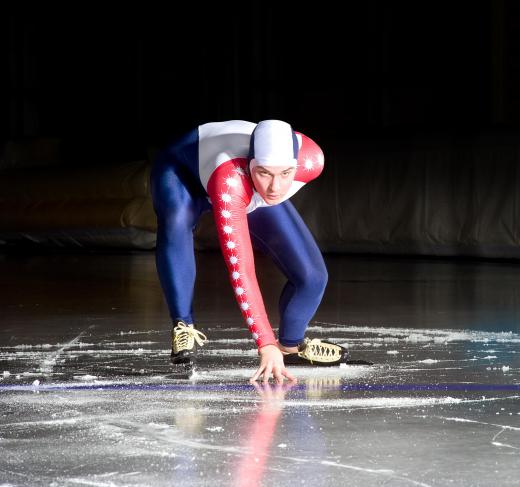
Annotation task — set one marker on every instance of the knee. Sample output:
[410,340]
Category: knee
[314,280]
[173,227]
[321,278]
[166,188]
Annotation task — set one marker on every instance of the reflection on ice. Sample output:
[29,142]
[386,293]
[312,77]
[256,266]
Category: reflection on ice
[109,411]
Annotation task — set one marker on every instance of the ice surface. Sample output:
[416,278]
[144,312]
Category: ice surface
[438,407]
[92,329]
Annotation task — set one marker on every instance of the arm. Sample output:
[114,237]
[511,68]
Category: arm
[230,192]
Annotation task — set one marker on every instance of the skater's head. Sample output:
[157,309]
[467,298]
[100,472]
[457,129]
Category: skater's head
[273,143]
[273,155]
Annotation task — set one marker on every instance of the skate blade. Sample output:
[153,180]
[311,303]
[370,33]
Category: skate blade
[359,362]
[183,370]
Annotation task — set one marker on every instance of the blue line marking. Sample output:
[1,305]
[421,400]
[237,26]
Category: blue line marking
[247,387]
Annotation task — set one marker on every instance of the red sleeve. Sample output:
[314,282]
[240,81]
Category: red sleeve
[230,191]
[310,160]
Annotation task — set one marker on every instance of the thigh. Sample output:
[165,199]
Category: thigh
[175,194]
[280,232]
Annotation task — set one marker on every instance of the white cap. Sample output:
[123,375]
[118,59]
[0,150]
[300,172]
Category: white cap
[273,143]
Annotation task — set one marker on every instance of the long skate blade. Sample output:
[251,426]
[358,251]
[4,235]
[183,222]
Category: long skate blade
[359,362]
[184,370]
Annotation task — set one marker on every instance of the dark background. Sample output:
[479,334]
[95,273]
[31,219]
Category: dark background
[415,104]
[109,86]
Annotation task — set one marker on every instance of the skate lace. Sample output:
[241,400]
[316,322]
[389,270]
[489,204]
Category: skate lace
[317,351]
[184,337]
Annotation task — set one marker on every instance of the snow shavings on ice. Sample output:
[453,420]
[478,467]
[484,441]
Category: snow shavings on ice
[398,334]
[377,402]
[229,352]
[85,377]
[465,420]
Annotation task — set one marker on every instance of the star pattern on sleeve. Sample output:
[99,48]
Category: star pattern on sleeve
[310,160]
[234,192]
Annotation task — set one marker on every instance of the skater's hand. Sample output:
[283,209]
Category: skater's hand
[271,362]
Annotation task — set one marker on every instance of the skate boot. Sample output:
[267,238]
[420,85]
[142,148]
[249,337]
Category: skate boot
[185,339]
[318,353]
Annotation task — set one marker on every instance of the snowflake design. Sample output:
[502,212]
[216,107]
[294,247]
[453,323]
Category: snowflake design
[308,164]
[231,182]
[227,230]
[225,197]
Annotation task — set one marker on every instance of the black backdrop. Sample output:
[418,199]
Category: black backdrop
[373,68]
[416,104]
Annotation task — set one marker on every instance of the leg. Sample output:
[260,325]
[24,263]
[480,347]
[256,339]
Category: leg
[280,232]
[178,208]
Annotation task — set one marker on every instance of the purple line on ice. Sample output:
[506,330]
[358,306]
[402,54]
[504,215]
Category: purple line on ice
[233,387]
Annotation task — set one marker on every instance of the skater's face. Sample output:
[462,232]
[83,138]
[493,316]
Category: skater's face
[272,182]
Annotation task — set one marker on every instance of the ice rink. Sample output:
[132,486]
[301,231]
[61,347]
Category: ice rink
[88,397]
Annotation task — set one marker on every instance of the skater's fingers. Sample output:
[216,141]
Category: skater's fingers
[287,374]
[258,373]
[278,375]
[267,373]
